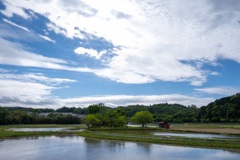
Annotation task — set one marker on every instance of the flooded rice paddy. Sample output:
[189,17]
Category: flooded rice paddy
[76,148]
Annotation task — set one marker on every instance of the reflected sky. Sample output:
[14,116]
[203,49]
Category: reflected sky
[79,148]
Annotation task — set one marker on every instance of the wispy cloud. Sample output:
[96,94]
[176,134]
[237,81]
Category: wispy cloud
[219,90]
[16,25]
[29,90]
[15,54]
[123,100]
[47,38]
[35,77]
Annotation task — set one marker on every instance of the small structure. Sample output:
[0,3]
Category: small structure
[163,125]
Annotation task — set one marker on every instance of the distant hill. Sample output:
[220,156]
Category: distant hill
[226,109]
[39,110]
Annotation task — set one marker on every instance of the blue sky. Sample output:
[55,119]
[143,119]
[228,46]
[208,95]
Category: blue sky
[58,53]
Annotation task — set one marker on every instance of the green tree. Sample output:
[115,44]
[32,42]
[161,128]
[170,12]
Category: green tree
[66,110]
[142,117]
[91,120]
[4,115]
[202,114]
[93,109]
[122,121]
[20,117]
[112,118]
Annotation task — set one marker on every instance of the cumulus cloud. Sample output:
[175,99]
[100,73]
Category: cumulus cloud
[156,40]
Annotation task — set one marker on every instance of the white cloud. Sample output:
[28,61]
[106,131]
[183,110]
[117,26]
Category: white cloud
[134,68]
[15,54]
[27,94]
[10,32]
[219,90]
[14,10]
[47,38]
[154,37]
[16,25]
[35,77]
[56,29]
[91,52]
[123,100]
[29,90]
[35,90]
[25,89]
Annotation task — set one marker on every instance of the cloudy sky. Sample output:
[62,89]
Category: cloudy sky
[56,53]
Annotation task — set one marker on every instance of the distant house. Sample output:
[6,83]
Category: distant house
[163,125]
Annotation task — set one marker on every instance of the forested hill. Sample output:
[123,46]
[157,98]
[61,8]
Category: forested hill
[226,109]
[222,110]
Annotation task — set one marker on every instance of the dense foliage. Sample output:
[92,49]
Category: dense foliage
[23,117]
[142,117]
[226,109]
[101,115]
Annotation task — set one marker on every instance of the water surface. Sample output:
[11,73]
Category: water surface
[79,148]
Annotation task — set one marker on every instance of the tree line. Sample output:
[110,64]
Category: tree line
[226,109]
[10,116]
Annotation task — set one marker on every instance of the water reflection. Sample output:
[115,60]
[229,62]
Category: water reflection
[144,147]
[102,149]
[75,148]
